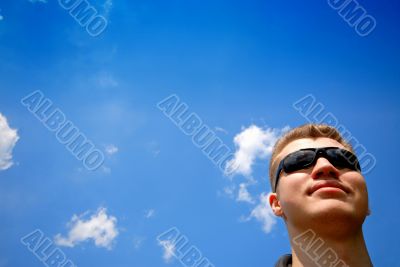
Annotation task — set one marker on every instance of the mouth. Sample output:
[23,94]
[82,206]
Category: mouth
[329,186]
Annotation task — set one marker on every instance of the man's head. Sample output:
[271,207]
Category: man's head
[324,192]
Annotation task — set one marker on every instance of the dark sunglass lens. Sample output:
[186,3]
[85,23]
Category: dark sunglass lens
[298,160]
[343,159]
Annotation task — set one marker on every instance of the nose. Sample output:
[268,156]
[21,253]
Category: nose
[324,169]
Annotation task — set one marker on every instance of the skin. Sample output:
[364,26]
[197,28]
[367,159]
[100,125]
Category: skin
[334,215]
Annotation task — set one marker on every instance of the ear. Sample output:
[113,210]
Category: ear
[275,204]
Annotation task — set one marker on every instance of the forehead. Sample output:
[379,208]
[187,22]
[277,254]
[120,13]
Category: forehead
[308,143]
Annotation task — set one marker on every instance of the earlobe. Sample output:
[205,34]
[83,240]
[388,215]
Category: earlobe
[275,205]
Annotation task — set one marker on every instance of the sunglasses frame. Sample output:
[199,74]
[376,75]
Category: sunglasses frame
[319,152]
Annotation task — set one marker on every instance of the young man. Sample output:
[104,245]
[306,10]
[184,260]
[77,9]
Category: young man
[320,193]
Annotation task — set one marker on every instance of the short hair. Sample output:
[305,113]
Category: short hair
[305,131]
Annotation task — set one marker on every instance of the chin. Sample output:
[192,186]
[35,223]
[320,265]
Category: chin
[337,213]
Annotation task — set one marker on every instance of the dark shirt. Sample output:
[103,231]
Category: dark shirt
[284,261]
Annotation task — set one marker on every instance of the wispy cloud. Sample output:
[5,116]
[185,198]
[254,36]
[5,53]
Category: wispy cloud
[8,139]
[263,213]
[168,250]
[105,80]
[138,242]
[105,169]
[149,213]
[220,129]
[154,148]
[252,143]
[228,191]
[101,228]
[1,17]
[244,195]
[111,149]
[107,7]
[38,1]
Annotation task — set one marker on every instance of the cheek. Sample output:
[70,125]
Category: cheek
[363,192]
[292,190]
[357,182]
[293,183]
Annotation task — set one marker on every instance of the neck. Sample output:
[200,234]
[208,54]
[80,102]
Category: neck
[311,248]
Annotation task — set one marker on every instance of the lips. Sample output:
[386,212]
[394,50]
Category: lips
[327,184]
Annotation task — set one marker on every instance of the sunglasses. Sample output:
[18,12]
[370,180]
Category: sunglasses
[305,158]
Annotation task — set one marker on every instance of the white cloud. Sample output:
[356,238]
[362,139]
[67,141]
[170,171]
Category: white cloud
[149,213]
[8,139]
[252,143]
[1,17]
[243,194]
[111,149]
[263,213]
[168,250]
[101,228]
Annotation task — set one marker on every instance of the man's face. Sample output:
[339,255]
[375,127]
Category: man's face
[321,193]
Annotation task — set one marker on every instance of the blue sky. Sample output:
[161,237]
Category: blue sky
[239,66]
